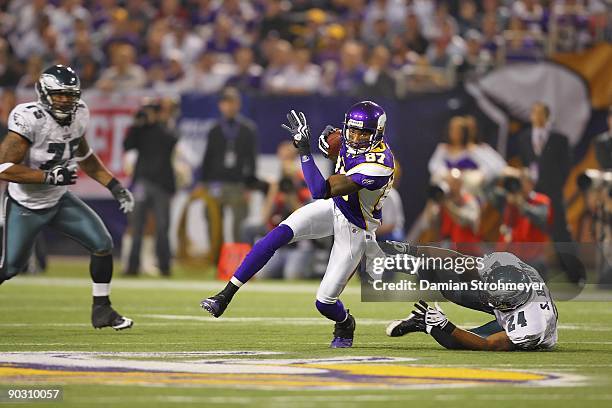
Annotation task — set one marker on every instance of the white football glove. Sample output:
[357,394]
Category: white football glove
[124,196]
[299,131]
[323,144]
[433,316]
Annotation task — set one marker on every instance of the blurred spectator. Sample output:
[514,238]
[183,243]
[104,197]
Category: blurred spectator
[117,30]
[456,213]
[9,68]
[248,74]
[273,79]
[526,216]
[43,41]
[283,198]
[392,12]
[530,13]
[153,182]
[468,16]
[64,16]
[33,69]
[548,155]
[522,45]
[477,60]
[603,145]
[349,75]
[180,38]
[301,76]
[490,163]
[153,54]
[492,39]
[86,60]
[413,36]
[123,75]
[205,75]
[392,222]
[274,20]
[377,78]
[222,41]
[420,76]
[454,153]
[228,165]
[140,13]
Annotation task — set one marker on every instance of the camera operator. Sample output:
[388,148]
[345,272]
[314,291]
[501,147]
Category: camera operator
[455,211]
[153,180]
[526,215]
[596,187]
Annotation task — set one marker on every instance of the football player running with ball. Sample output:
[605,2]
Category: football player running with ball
[347,205]
[511,290]
[38,158]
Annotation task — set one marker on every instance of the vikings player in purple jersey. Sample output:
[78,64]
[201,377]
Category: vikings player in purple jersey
[347,205]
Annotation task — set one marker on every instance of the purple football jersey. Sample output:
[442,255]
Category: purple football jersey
[374,172]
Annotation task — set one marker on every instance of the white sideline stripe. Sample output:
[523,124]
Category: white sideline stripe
[268,320]
[285,287]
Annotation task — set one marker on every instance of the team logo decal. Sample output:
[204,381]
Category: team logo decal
[249,370]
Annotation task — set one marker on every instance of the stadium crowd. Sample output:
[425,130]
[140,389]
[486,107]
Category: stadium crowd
[377,47]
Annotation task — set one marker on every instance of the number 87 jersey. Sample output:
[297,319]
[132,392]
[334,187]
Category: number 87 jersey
[51,144]
[374,172]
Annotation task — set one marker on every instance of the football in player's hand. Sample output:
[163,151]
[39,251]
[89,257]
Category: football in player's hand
[335,141]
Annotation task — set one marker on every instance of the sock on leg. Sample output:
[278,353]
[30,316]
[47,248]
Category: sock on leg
[333,311]
[261,253]
[101,271]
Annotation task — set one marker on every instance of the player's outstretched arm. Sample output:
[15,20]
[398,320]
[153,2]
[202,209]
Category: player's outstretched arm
[451,337]
[91,164]
[12,152]
[470,341]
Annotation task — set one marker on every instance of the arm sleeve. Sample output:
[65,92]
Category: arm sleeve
[22,123]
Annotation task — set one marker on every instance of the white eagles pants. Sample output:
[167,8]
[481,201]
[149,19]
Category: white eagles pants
[322,218]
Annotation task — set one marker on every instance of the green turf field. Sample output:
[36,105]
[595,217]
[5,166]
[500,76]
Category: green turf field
[177,356]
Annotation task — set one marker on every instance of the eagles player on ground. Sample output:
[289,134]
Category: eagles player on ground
[347,205]
[524,319]
[37,158]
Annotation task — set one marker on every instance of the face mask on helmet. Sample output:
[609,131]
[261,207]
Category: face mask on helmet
[358,141]
[505,298]
[59,92]
[364,127]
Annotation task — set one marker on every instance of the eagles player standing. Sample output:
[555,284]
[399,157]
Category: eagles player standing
[362,180]
[524,319]
[37,158]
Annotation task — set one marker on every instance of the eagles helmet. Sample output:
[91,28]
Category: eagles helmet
[505,299]
[365,115]
[59,80]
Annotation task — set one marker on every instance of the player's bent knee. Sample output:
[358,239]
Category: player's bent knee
[329,300]
[103,246]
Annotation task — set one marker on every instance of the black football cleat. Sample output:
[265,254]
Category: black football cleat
[215,305]
[414,323]
[344,333]
[106,316]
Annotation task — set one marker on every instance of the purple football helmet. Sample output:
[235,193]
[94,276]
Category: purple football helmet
[365,115]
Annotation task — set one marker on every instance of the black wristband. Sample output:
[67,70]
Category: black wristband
[448,327]
[113,184]
[412,250]
[444,338]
